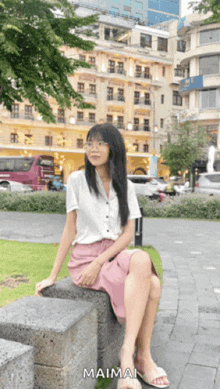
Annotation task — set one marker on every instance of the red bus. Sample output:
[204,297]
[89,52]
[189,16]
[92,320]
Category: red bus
[34,171]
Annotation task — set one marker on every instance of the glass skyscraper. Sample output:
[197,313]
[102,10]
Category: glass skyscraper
[149,12]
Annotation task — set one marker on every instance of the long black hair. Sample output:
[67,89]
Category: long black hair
[116,164]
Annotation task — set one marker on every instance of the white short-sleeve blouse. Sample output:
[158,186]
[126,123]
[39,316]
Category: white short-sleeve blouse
[97,217]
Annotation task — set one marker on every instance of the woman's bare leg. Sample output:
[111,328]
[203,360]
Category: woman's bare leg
[136,294]
[143,360]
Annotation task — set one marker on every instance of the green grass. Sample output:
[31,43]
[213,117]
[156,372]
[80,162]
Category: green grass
[33,262]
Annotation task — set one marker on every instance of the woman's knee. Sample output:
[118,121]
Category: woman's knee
[141,263]
[155,290]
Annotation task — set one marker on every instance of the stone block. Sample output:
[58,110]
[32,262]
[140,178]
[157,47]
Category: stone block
[16,365]
[62,332]
[110,332]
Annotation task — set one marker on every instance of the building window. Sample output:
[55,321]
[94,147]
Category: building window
[136,124]
[161,123]
[136,145]
[136,97]
[114,11]
[92,60]
[138,5]
[209,99]
[79,143]
[28,112]
[80,116]
[82,57]
[109,93]
[209,65]
[109,118]
[120,68]
[107,34]
[60,117]
[209,36]
[162,99]
[181,46]
[111,65]
[179,72]
[120,123]
[162,44]
[80,87]
[146,125]
[92,89]
[127,2]
[138,71]
[121,95]
[15,111]
[163,71]
[147,98]
[138,16]
[48,140]
[161,149]
[177,99]
[14,138]
[92,117]
[146,40]
[146,72]
[145,148]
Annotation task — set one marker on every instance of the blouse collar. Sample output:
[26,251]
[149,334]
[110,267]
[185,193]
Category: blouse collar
[112,192]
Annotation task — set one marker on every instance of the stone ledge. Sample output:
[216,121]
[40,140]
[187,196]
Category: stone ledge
[16,365]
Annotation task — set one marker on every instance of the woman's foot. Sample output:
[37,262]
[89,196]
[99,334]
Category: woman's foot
[146,365]
[126,360]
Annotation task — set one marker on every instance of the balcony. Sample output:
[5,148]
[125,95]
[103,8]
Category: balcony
[60,120]
[117,71]
[85,122]
[143,75]
[115,98]
[142,101]
[138,127]
[88,95]
[18,115]
[120,126]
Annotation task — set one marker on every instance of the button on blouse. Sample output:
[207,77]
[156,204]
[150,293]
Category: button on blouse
[97,217]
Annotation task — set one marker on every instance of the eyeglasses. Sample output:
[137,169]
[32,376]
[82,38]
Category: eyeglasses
[100,144]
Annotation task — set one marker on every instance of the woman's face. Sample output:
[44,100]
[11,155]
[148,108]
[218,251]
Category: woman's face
[97,151]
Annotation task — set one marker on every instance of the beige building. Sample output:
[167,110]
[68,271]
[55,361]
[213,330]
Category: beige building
[201,62]
[133,83]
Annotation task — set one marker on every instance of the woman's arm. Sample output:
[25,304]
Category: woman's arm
[65,243]
[124,239]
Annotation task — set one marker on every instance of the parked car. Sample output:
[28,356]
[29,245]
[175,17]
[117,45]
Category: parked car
[147,185]
[13,186]
[208,183]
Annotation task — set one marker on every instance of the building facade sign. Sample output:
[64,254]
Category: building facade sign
[191,83]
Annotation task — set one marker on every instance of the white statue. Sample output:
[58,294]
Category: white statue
[211,159]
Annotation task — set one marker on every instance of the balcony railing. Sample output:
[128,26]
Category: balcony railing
[84,122]
[120,126]
[138,127]
[18,115]
[179,73]
[60,120]
[115,98]
[142,101]
[117,70]
[88,93]
[143,75]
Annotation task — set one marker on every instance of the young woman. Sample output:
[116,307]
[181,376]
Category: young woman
[101,208]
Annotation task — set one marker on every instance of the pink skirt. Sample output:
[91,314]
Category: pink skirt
[112,275]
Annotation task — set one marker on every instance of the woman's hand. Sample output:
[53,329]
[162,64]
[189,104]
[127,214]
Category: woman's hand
[43,284]
[89,274]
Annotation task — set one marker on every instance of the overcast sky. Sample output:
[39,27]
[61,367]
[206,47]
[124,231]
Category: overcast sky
[184,10]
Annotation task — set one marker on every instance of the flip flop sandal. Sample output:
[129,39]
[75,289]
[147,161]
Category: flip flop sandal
[128,383]
[149,377]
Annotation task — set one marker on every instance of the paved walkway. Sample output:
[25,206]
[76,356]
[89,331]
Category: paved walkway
[186,338]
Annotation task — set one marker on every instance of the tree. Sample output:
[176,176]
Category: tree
[185,144]
[206,6]
[31,64]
